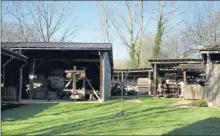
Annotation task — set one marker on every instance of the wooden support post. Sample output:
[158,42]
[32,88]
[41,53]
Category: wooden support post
[184,77]
[149,87]
[122,77]
[74,79]
[184,83]
[118,76]
[149,74]
[3,77]
[32,66]
[155,80]
[94,91]
[101,88]
[84,83]
[20,83]
[209,67]
[4,69]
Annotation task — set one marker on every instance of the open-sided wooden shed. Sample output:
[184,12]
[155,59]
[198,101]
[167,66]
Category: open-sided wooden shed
[135,78]
[44,57]
[174,72]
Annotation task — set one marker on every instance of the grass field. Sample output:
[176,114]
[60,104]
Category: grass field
[150,117]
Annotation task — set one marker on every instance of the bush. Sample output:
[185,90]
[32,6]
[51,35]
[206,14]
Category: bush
[199,103]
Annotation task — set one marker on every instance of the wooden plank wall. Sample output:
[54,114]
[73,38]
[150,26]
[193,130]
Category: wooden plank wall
[212,89]
[106,78]
[193,92]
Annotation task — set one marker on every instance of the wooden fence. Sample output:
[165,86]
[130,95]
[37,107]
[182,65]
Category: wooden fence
[193,92]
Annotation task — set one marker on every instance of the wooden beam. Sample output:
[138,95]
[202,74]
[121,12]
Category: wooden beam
[74,71]
[178,62]
[24,60]
[9,60]
[184,77]
[74,79]
[155,80]
[94,91]
[84,81]
[184,82]
[101,75]
[32,66]
[77,60]
[122,77]
[208,67]
[206,52]
[20,81]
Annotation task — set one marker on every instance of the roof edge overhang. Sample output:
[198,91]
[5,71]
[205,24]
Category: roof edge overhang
[13,54]
[175,61]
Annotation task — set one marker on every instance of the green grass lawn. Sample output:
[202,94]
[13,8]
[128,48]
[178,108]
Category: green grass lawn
[150,117]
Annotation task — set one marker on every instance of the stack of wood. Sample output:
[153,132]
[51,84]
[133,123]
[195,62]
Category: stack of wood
[144,86]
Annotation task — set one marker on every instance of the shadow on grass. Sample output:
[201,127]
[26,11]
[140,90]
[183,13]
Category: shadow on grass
[25,111]
[88,126]
[210,126]
[79,109]
[74,126]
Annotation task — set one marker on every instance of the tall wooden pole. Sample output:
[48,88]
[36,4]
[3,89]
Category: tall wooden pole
[32,66]
[20,83]
[184,82]
[155,80]
[84,83]
[149,74]
[122,76]
[74,79]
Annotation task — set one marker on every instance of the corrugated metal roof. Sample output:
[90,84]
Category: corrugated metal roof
[134,70]
[209,47]
[173,60]
[57,45]
[191,66]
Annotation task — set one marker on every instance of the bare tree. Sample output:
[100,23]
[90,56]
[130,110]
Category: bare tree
[3,14]
[130,30]
[163,20]
[104,19]
[47,18]
[204,28]
[12,33]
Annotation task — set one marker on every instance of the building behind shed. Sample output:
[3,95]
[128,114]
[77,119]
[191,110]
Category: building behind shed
[211,57]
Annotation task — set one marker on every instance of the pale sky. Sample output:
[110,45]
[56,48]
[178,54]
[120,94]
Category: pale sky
[90,29]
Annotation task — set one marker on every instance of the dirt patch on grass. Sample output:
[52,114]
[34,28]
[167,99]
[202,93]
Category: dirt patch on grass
[134,100]
[181,103]
[127,98]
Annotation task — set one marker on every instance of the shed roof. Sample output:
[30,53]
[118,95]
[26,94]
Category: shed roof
[209,48]
[200,67]
[133,70]
[13,54]
[174,61]
[57,45]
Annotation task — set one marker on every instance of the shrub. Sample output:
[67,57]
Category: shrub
[199,103]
